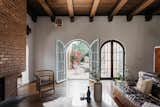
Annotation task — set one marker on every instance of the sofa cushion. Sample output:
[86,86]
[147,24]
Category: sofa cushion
[144,86]
[136,97]
[147,104]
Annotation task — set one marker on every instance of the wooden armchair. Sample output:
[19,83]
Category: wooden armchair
[44,81]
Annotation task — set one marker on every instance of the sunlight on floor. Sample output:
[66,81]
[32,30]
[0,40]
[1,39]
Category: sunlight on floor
[77,88]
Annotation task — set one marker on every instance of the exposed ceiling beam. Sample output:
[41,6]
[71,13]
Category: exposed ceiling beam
[70,9]
[94,9]
[118,7]
[33,16]
[140,8]
[155,11]
[144,5]
[47,9]
[148,17]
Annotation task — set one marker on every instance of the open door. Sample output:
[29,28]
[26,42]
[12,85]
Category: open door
[94,60]
[60,62]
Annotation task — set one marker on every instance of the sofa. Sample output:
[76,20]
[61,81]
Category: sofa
[129,96]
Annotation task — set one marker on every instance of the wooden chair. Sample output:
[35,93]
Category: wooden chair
[44,81]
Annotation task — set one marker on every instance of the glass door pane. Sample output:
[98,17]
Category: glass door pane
[106,61]
[117,60]
[60,62]
[94,62]
[112,60]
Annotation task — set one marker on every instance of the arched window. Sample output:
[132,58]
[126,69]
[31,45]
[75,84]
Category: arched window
[112,60]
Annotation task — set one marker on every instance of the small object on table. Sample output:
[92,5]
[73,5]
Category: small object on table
[88,95]
[88,98]
[83,97]
[98,91]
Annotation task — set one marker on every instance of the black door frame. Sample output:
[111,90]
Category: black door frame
[112,41]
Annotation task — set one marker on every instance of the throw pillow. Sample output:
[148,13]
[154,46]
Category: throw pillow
[144,86]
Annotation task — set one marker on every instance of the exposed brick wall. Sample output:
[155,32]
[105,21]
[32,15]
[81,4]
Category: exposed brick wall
[12,42]
[12,58]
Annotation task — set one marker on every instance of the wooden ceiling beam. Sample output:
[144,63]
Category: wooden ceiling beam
[148,17]
[47,9]
[33,16]
[155,11]
[70,9]
[144,5]
[94,9]
[140,8]
[118,7]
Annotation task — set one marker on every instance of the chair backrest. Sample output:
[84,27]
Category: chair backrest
[41,73]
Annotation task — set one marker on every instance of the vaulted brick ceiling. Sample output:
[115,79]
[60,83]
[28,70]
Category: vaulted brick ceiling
[93,8]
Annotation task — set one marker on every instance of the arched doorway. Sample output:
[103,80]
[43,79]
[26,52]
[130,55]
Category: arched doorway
[112,60]
[77,59]
[61,59]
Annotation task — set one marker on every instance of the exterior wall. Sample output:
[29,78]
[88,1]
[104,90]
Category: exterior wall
[12,42]
[138,37]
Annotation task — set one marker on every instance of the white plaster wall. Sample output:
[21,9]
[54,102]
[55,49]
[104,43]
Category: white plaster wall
[30,42]
[138,37]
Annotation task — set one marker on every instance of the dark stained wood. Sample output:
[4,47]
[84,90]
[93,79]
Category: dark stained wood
[140,8]
[129,18]
[110,18]
[70,9]
[157,11]
[82,7]
[157,61]
[72,19]
[105,7]
[152,10]
[148,17]
[94,8]
[34,18]
[59,7]
[118,7]
[129,7]
[45,7]
[91,19]
[53,18]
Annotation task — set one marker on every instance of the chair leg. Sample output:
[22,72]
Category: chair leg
[53,88]
[39,92]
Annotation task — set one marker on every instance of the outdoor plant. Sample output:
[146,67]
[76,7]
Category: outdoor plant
[119,77]
[72,59]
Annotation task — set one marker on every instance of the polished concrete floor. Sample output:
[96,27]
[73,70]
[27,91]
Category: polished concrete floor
[67,94]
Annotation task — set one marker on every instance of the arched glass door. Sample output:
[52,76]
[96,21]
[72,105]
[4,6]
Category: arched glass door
[112,60]
[94,73]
